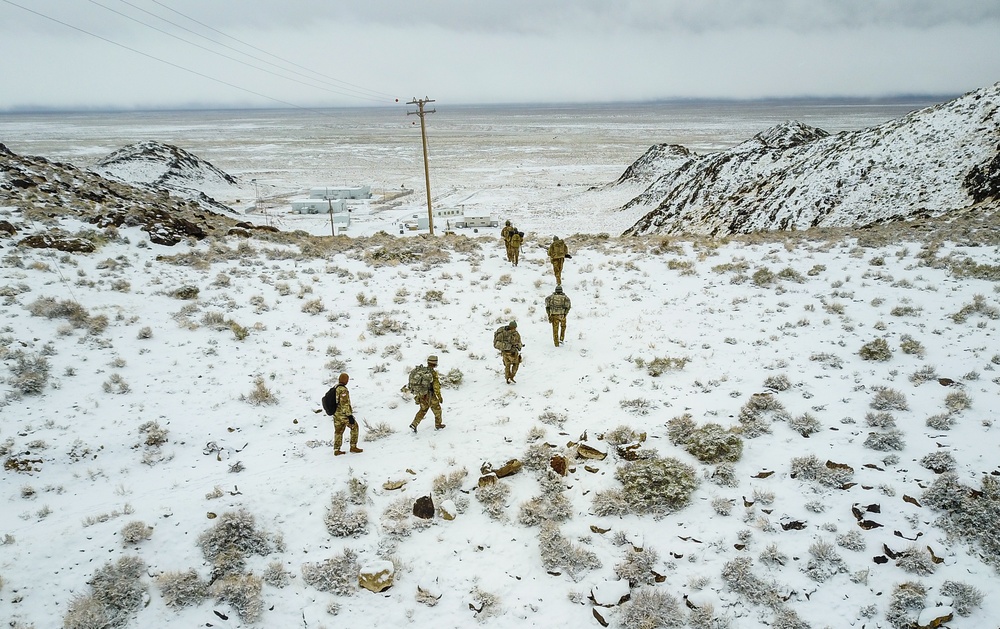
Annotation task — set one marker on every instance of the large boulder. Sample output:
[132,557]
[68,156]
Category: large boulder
[70,244]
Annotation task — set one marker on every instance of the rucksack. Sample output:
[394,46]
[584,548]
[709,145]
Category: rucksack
[330,401]
[558,249]
[421,379]
[500,338]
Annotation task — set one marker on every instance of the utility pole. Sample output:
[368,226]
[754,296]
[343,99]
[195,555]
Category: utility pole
[423,136]
[333,228]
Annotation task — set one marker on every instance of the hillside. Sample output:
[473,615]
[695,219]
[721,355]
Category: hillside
[166,210]
[794,177]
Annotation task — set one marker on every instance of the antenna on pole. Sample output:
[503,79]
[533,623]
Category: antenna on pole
[423,136]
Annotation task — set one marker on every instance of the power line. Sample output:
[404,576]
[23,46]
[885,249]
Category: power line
[270,54]
[215,52]
[147,55]
[337,89]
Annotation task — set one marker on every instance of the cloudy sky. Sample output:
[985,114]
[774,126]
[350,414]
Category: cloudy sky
[308,53]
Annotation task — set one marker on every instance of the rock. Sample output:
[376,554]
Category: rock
[424,508]
[62,243]
[558,464]
[509,468]
[428,593]
[448,510]
[934,617]
[590,452]
[611,593]
[599,617]
[629,452]
[488,479]
[7,228]
[390,485]
[376,576]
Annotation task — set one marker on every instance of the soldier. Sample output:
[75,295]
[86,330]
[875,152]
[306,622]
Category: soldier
[508,340]
[514,249]
[343,417]
[557,306]
[505,234]
[558,254]
[429,399]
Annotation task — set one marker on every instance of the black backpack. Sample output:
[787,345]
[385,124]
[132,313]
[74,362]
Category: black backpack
[330,401]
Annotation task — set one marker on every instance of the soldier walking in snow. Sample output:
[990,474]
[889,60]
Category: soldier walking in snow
[505,233]
[508,340]
[557,306]
[338,399]
[558,254]
[514,249]
[428,393]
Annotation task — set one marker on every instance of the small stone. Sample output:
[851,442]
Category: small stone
[589,452]
[509,468]
[934,617]
[376,576]
[448,510]
[424,508]
[558,464]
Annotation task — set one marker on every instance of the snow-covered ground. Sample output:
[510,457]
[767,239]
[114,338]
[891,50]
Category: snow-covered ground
[178,388]
[150,420]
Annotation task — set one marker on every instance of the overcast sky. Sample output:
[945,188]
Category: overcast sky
[309,53]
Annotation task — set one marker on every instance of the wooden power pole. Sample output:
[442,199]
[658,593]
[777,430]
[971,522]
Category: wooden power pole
[423,137]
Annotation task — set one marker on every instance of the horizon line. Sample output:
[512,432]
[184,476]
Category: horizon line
[688,100]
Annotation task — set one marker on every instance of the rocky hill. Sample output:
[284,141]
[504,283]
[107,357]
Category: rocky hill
[42,190]
[794,177]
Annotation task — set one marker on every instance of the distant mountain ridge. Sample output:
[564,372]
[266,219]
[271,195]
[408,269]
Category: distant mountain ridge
[793,177]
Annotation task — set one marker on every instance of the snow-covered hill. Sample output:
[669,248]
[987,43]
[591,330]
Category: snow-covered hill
[792,176]
[46,190]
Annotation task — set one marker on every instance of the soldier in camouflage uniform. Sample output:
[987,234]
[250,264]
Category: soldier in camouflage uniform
[514,249]
[508,340]
[344,417]
[557,306]
[557,254]
[430,399]
[505,233]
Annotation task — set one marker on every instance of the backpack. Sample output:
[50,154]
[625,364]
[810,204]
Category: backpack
[558,249]
[421,380]
[330,401]
[500,338]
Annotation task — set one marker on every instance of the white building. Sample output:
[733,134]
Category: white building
[453,218]
[341,215]
[477,217]
[340,192]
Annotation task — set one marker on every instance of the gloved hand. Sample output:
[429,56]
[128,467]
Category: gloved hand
[350,419]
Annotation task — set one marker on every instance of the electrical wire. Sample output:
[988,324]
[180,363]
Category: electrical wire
[270,54]
[225,56]
[336,89]
[155,58]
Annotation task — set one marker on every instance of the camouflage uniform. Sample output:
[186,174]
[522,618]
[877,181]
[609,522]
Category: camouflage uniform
[557,306]
[514,248]
[429,400]
[510,349]
[558,254]
[344,417]
[505,233]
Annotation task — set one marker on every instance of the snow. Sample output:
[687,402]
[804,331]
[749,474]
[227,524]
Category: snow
[93,472]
